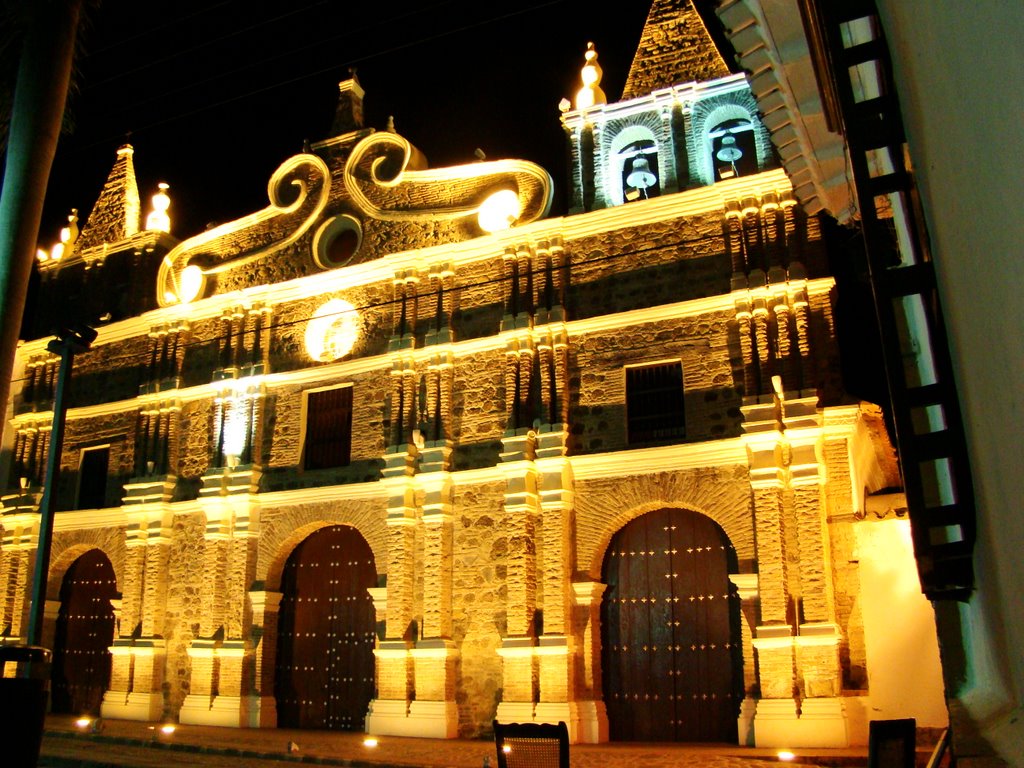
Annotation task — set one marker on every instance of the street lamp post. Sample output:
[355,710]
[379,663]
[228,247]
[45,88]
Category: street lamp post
[69,341]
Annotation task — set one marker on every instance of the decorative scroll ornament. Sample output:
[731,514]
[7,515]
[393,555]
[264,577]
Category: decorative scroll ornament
[298,193]
[386,178]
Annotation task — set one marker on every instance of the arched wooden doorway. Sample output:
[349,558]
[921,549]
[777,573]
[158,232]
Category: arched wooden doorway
[324,673]
[670,634]
[84,634]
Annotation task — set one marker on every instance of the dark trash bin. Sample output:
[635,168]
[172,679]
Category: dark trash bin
[23,704]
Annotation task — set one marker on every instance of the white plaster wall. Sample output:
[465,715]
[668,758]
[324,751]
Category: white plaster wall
[960,74]
[904,671]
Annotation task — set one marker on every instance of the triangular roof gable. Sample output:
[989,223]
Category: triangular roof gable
[675,47]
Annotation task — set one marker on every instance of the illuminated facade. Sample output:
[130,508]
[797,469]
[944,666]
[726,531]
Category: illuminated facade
[402,447]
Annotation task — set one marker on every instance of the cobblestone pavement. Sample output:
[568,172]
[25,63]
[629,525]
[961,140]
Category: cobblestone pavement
[125,743]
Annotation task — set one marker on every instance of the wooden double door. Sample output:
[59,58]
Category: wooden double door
[324,669]
[84,634]
[671,644]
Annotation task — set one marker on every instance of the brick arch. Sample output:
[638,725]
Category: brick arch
[708,113]
[723,495]
[285,530]
[70,545]
[616,135]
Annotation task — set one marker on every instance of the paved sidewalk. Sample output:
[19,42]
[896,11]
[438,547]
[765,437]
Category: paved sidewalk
[129,743]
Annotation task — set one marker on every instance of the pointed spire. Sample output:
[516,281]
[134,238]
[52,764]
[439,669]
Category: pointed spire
[118,210]
[675,47]
[591,93]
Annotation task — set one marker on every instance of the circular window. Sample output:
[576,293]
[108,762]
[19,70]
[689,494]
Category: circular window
[337,241]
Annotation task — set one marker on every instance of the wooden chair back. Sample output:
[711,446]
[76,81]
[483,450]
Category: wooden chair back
[531,745]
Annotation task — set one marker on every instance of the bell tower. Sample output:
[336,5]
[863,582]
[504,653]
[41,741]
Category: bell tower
[683,121]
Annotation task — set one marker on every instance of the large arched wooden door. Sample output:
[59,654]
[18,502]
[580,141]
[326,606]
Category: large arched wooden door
[84,634]
[324,675]
[671,647]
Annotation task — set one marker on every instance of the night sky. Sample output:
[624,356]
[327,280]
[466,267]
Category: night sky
[215,95]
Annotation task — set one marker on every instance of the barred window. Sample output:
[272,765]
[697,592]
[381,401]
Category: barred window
[654,403]
[328,428]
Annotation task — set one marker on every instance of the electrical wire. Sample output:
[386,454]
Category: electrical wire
[136,358]
[314,73]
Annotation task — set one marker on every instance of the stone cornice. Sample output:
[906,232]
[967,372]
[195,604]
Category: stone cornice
[683,94]
[645,461]
[348,368]
[689,203]
[321,495]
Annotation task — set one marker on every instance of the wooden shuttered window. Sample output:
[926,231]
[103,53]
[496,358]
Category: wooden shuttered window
[654,403]
[328,428]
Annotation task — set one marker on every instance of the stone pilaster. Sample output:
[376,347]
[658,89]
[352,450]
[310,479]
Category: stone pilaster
[140,664]
[773,641]
[262,707]
[592,717]
[17,558]
[389,712]
[434,712]
[747,591]
[122,657]
[519,667]
[219,684]
[143,604]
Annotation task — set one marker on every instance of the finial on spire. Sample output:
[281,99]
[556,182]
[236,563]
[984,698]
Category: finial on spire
[390,127]
[158,220]
[591,93]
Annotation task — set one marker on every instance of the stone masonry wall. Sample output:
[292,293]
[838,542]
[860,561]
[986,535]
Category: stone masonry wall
[186,583]
[478,409]
[603,506]
[704,347]
[116,430]
[479,602]
[845,567]
[284,431]
[282,529]
[658,263]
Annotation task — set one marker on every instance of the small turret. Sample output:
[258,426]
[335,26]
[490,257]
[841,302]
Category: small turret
[349,114]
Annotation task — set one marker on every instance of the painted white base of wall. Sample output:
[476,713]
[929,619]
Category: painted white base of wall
[136,706]
[199,709]
[420,719]
[821,723]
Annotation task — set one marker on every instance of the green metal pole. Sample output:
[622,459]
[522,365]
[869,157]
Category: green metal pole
[66,348]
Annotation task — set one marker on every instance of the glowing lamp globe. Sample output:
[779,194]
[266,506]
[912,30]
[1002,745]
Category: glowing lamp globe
[499,211]
[332,331]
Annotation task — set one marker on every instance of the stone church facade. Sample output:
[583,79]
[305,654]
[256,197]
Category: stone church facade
[402,452]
